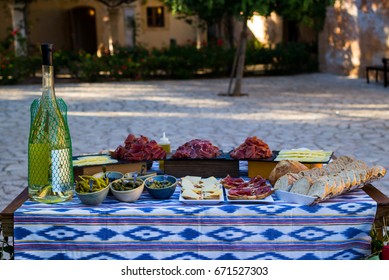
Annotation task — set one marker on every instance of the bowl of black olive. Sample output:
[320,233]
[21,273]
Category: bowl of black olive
[161,186]
[127,189]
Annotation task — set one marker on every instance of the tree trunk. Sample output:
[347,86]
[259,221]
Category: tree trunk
[230,31]
[241,60]
[18,16]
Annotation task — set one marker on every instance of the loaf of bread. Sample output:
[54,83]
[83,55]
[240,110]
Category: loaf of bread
[283,167]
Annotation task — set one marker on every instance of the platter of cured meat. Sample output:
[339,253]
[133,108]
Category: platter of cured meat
[254,190]
[253,148]
[196,149]
[200,157]
[268,199]
[138,149]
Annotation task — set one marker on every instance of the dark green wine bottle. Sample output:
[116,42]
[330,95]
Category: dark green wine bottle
[50,166]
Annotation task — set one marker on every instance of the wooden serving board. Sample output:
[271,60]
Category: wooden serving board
[220,166]
[118,166]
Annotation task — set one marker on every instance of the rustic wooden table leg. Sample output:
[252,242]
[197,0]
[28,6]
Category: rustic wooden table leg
[7,215]
[382,209]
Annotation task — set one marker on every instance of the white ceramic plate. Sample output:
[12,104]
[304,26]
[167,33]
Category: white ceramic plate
[268,199]
[202,201]
[294,197]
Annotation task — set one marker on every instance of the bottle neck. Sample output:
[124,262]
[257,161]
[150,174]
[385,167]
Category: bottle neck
[48,81]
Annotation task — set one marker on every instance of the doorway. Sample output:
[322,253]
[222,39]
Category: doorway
[83,29]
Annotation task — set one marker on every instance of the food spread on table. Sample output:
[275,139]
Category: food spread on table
[252,148]
[304,155]
[197,188]
[139,149]
[254,189]
[197,149]
[290,175]
[339,176]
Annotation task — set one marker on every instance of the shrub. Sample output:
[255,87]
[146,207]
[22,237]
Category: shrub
[294,58]
[88,67]
[174,62]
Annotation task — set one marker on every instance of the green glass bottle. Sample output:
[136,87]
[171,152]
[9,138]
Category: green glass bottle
[50,166]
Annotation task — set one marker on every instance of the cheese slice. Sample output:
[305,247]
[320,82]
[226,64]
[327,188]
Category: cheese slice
[93,160]
[210,188]
[209,185]
[210,180]
[304,155]
[190,194]
[194,179]
[211,195]
[186,183]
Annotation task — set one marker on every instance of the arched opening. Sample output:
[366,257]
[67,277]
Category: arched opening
[83,29]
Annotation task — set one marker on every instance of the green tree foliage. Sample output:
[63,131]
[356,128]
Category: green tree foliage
[309,12]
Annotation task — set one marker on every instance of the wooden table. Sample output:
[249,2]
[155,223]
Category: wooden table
[7,215]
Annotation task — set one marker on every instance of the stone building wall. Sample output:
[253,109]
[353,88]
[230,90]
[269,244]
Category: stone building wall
[355,34]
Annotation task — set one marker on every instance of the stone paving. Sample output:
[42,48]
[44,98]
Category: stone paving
[317,111]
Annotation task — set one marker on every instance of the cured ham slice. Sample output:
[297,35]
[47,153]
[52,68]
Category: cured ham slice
[139,149]
[229,182]
[197,149]
[252,148]
[239,189]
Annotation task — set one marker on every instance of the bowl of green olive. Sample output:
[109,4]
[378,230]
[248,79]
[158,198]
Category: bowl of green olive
[127,189]
[161,186]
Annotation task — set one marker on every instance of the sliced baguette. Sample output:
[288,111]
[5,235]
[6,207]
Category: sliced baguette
[285,182]
[376,172]
[301,186]
[319,188]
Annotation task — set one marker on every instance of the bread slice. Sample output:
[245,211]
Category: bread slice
[282,183]
[301,186]
[319,188]
[376,172]
[352,178]
[339,186]
[331,183]
[241,197]
[212,195]
[346,179]
[344,160]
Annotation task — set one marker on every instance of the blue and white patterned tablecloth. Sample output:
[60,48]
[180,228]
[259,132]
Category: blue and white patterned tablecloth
[168,229]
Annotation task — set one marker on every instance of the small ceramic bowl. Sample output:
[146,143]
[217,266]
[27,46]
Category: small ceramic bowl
[161,193]
[112,175]
[93,198]
[129,195]
[142,176]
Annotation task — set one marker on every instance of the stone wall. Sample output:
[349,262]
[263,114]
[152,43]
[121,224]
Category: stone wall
[355,34]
